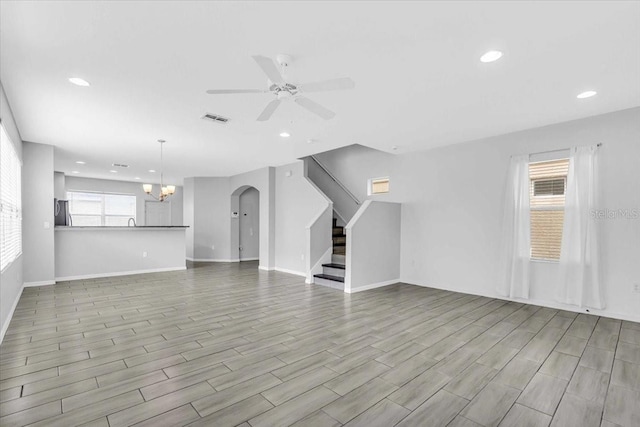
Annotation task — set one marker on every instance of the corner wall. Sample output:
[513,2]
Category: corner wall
[452,207]
[297,204]
[38,245]
[213,237]
[451,233]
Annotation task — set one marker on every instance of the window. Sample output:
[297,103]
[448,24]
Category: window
[548,184]
[10,202]
[378,186]
[101,209]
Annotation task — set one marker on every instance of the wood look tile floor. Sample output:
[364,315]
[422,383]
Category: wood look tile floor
[228,345]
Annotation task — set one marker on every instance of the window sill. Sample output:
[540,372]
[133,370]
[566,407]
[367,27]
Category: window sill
[545,261]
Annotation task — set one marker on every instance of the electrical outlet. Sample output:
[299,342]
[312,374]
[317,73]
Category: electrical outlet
[213,248]
[144,254]
[636,288]
[302,257]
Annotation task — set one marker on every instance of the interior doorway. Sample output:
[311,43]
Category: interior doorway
[249,225]
[245,224]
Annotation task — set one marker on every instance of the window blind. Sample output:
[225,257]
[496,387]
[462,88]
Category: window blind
[10,201]
[379,185]
[547,191]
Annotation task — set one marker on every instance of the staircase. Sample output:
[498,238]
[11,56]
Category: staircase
[333,273]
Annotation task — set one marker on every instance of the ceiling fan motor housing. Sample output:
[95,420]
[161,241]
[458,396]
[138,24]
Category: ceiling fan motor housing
[283,59]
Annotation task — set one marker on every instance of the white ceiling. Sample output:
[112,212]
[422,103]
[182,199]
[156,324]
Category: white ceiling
[419,83]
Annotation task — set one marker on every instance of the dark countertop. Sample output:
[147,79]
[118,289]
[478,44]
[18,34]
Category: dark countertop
[138,227]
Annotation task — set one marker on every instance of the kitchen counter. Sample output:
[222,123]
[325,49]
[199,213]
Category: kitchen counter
[88,252]
[137,227]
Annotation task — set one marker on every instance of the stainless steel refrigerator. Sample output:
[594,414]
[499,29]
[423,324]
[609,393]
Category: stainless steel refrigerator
[61,211]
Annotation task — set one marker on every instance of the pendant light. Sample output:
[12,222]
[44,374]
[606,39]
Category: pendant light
[165,191]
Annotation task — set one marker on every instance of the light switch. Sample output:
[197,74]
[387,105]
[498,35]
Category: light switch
[47,225]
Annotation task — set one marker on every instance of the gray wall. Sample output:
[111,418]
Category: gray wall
[452,205]
[74,183]
[188,215]
[249,221]
[59,189]
[451,218]
[264,181]
[211,224]
[298,203]
[38,216]
[215,236]
[11,278]
[355,165]
[373,246]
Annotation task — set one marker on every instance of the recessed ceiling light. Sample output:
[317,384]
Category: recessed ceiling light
[137,177]
[152,170]
[285,134]
[492,55]
[112,171]
[75,172]
[587,94]
[80,162]
[78,81]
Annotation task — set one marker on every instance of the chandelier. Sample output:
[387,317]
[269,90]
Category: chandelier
[165,191]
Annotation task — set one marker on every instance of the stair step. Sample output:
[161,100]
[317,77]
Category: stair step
[339,244]
[339,239]
[340,250]
[334,265]
[338,259]
[338,231]
[329,277]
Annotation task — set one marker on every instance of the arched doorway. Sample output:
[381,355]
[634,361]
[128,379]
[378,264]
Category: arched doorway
[245,224]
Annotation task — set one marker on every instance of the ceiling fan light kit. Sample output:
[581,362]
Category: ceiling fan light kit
[285,91]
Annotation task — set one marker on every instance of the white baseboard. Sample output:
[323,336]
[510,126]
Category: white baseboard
[262,267]
[118,273]
[249,259]
[212,260]
[286,270]
[372,286]
[41,283]
[10,316]
[541,303]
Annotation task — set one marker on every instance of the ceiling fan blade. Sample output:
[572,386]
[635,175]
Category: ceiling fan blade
[269,68]
[268,110]
[334,84]
[314,107]
[228,91]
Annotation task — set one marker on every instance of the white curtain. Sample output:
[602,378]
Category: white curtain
[516,235]
[579,257]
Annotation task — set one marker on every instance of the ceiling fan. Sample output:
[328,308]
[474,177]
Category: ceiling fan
[284,90]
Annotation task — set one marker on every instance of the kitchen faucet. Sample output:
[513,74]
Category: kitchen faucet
[129,222]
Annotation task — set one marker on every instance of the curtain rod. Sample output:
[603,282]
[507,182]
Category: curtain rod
[560,149]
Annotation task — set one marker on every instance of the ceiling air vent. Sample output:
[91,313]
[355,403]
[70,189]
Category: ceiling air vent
[119,165]
[215,118]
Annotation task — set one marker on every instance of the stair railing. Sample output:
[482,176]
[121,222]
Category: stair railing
[336,180]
